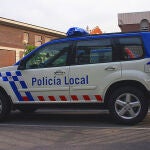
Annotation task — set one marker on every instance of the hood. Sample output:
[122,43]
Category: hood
[9,68]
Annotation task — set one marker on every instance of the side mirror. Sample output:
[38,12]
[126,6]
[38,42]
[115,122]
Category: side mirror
[21,65]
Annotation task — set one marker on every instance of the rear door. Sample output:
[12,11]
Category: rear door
[95,68]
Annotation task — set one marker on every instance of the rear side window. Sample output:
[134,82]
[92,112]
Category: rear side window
[132,48]
[93,51]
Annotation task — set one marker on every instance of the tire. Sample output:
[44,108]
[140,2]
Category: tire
[128,105]
[27,109]
[5,106]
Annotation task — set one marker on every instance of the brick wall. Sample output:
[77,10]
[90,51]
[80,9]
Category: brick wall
[13,37]
[10,37]
[130,27]
[11,41]
[7,58]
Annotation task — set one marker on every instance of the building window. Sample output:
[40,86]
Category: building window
[144,25]
[38,40]
[25,38]
[47,39]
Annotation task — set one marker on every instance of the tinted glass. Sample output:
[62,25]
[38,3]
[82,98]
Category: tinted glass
[132,48]
[52,55]
[93,51]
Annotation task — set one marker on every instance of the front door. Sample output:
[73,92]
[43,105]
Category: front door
[44,74]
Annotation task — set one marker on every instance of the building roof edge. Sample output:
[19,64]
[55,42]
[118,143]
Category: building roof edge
[22,24]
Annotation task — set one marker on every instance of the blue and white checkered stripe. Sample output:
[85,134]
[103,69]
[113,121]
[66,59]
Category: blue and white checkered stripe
[16,82]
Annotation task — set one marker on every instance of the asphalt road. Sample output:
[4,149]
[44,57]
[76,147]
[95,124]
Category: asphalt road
[63,130]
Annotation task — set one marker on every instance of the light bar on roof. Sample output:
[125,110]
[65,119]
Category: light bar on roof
[75,31]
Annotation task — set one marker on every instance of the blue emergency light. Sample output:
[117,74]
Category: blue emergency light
[75,31]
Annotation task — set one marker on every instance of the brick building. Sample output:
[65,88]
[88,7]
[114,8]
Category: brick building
[15,36]
[137,21]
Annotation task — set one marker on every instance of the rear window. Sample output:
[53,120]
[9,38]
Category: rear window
[132,48]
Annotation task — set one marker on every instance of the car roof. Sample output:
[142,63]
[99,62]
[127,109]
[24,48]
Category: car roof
[97,36]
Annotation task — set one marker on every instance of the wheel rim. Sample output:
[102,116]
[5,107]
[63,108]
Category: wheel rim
[127,106]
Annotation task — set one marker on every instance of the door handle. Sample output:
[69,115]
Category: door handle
[59,72]
[111,68]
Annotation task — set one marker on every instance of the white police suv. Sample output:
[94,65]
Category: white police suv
[82,71]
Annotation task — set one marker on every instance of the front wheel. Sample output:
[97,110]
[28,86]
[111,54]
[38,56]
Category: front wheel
[5,106]
[128,105]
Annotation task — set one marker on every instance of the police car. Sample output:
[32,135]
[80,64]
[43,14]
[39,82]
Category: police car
[82,71]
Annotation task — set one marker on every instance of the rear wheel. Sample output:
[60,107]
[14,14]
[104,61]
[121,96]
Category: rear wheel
[128,105]
[5,106]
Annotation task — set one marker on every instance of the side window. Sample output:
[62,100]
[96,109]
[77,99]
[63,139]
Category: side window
[93,51]
[52,55]
[131,48]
